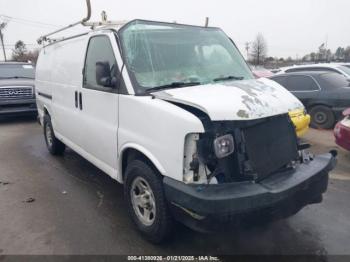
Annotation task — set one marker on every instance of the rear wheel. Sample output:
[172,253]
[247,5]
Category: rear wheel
[146,202]
[322,117]
[55,146]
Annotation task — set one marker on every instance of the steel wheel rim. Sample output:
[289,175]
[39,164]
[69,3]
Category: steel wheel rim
[143,201]
[48,135]
[320,117]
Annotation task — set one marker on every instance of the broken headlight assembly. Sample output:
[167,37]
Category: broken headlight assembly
[224,146]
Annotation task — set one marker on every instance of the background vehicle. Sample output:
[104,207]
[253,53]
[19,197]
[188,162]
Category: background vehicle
[324,94]
[342,131]
[17,93]
[342,69]
[259,72]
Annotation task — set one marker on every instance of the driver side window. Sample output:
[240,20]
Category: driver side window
[100,71]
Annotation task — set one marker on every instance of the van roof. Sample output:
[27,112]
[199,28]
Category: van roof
[120,26]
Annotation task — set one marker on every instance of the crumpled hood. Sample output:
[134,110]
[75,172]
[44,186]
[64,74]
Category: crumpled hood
[235,100]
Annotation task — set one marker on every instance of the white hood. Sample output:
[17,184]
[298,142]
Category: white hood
[235,100]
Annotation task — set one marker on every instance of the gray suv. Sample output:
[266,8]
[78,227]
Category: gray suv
[17,94]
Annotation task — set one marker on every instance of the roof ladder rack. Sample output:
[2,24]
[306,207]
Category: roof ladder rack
[83,22]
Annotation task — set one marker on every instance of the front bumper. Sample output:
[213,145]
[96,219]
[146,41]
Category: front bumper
[199,206]
[18,107]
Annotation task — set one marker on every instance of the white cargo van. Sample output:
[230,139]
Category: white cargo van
[174,113]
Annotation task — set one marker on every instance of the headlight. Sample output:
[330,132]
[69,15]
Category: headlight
[224,146]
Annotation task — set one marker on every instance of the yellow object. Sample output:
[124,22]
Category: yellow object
[301,121]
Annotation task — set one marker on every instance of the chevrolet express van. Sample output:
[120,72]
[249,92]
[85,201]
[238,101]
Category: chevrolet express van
[174,113]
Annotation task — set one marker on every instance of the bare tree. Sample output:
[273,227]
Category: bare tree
[32,56]
[259,49]
[20,52]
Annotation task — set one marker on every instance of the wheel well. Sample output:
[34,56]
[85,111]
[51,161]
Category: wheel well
[324,105]
[309,107]
[46,112]
[131,154]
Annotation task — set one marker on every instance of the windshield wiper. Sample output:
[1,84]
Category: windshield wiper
[173,85]
[16,77]
[225,78]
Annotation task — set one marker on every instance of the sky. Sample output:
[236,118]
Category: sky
[290,27]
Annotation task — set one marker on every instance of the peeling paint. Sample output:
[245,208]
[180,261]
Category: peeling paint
[243,114]
[235,100]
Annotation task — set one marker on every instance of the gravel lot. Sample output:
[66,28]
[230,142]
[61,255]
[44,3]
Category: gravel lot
[64,205]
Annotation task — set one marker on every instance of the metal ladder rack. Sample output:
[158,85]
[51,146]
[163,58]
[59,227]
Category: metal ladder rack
[83,22]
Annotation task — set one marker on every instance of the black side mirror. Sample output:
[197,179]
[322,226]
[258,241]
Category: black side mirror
[104,76]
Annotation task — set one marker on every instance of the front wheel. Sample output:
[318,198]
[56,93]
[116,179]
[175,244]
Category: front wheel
[146,202]
[322,117]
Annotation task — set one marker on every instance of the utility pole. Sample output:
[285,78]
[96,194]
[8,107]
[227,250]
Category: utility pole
[2,27]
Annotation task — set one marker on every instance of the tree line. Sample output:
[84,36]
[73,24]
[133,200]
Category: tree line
[341,54]
[257,55]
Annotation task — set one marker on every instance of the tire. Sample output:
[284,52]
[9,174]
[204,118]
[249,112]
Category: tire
[55,146]
[158,227]
[322,117]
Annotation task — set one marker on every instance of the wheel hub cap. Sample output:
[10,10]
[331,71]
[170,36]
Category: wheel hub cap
[49,135]
[143,201]
[320,117]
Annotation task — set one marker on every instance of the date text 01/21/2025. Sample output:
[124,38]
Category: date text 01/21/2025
[173,258]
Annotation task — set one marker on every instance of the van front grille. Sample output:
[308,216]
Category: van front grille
[271,145]
[9,93]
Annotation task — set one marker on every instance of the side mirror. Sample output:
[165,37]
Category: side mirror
[103,75]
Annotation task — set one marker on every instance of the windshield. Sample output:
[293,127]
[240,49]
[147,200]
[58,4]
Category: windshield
[345,69]
[171,55]
[334,80]
[16,71]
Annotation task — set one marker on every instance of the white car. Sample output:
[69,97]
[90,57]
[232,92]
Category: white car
[174,113]
[340,68]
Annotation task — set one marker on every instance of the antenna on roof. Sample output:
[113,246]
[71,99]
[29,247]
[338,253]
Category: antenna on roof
[206,22]
[83,22]
[104,16]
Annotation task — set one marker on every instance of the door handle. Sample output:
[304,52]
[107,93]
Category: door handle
[80,101]
[76,99]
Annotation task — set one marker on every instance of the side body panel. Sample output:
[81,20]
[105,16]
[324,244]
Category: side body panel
[66,81]
[99,119]
[157,129]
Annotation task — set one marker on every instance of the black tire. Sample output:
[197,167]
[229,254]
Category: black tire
[162,224]
[322,117]
[55,146]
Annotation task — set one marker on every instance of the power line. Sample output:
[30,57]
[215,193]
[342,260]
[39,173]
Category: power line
[27,21]
[10,45]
